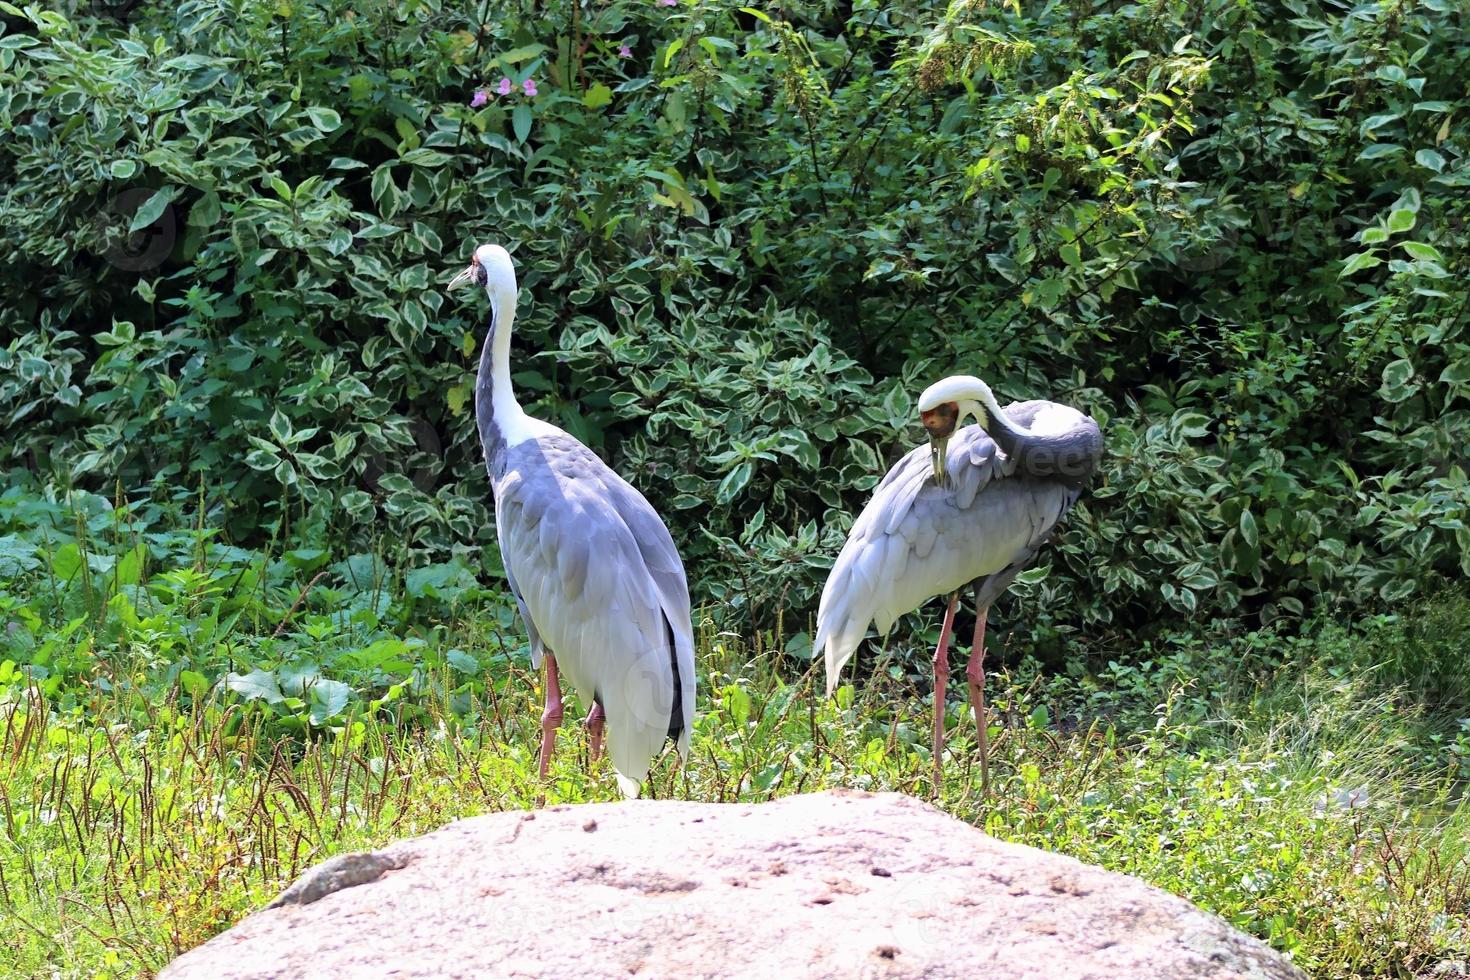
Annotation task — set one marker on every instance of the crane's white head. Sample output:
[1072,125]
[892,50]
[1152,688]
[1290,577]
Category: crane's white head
[490,268]
[944,405]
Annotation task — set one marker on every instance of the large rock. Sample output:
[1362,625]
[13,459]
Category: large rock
[828,885]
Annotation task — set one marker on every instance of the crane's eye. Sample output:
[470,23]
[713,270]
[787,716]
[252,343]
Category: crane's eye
[481,276]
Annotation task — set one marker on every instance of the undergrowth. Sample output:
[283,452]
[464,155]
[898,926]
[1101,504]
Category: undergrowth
[185,726]
[134,832]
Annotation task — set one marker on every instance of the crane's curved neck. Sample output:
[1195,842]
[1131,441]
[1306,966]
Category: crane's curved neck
[974,397]
[496,410]
[1069,454]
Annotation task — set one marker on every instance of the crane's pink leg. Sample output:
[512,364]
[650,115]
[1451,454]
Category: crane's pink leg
[551,717]
[975,674]
[941,682]
[595,720]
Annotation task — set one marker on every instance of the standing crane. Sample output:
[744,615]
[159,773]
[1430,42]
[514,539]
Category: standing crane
[594,571]
[972,507]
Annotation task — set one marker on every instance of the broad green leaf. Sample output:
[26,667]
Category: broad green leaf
[425,157]
[954,115]
[206,211]
[456,397]
[407,134]
[737,701]
[517,55]
[463,662]
[1192,425]
[129,570]
[520,120]
[16,556]
[597,96]
[1005,265]
[1397,374]
[1248,532]
[307,559]
[1203,579]
[1245,558]
[1380,150]
[66,561]
[280,427]
[414,316]
[1422,250]
[122,332]
[324,119]
[328,699]
[151,210]
[1359,262]
[1457,373]
[258,685]
[1373,123]
[1031,576]
[1408,200]
[1401,220]
[193,683]
[734,482]
[1432,159]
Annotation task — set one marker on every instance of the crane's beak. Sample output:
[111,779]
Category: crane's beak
[938,450]
[468,275]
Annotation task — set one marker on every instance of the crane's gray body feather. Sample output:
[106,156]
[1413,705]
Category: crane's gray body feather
[597,580]
[916,539]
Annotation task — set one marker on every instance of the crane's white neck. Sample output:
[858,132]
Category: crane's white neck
[503,297]
[502,421]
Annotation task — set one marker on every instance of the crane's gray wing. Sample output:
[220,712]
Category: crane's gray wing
[665,567]
[537,647]
[593,576]
[915,540]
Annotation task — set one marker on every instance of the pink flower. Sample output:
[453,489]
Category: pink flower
[529,87]
[625,52]
[481,97]
[668,3]
[504,87]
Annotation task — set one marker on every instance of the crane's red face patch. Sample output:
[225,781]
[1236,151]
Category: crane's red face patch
[940,420]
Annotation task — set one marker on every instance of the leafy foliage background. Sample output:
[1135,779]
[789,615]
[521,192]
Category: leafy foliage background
[1233,232]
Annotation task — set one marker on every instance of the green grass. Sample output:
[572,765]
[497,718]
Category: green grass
[181,732]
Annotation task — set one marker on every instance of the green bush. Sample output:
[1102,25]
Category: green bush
[1230,230]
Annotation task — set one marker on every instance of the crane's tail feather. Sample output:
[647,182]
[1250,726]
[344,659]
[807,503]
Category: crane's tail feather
[652,702]
[840,625]
[838,649]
